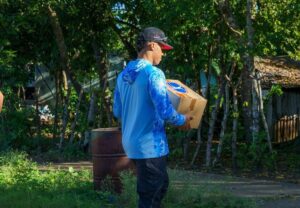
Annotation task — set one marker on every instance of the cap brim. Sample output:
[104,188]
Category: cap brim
[165,46]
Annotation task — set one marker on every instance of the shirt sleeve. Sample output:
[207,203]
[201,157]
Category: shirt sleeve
[117,106]
[158,93]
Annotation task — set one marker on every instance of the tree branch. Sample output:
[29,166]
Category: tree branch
[127,23]
[228,17]
[59,38]
[128,45]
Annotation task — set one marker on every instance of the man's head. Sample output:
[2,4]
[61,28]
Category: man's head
[153,41]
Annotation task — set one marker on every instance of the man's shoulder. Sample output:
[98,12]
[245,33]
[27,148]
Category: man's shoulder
[154,70]
[119,76]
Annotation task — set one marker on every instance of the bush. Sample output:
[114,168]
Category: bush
[15,129]
[256,155]
[71,152]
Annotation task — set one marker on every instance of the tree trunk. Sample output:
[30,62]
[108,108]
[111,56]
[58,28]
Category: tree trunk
[65,80]
[270,116]
[75,118]
[261,109]
[108,107]
[91,116]
[37,112]
[212,122]
[209,74]
[102,66]
[65,118]
[234,128]
[55,124]
[64,60]
[91,112]
[23,94]
[255,111]
[199,142]
[206,95]
[130,48]
[186,144]
[250,67]
[224,124]
[247,56]
[246,93]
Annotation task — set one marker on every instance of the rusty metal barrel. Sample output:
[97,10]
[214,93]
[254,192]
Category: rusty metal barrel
[108,156]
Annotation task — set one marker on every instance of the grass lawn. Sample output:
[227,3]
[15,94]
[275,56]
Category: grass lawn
[22,185]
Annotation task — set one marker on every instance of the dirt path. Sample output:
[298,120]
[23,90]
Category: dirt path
[76,165]
[268,194]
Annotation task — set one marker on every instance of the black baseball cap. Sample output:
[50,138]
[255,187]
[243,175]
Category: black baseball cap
[156,35]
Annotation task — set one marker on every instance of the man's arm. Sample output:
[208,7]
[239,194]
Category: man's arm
[158,93]
[117,107]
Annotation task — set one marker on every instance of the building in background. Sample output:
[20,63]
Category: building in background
[282,112]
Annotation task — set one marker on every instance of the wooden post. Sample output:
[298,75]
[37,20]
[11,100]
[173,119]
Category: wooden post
[270,117]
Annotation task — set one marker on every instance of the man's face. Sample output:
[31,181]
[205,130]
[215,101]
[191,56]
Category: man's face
[157,53]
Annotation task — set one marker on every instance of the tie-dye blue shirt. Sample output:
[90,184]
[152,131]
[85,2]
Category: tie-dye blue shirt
[142,105]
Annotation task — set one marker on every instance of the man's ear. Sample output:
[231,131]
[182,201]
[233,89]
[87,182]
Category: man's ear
[151,46]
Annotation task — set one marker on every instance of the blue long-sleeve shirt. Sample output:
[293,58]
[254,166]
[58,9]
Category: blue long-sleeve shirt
[142,104]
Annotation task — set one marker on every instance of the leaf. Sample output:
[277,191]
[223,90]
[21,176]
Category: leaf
[216,67]
[245,104]
[71,169]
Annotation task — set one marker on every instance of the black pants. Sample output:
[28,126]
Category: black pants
[152,181]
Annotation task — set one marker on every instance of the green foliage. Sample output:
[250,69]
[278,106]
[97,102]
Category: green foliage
[175,143]
[23,185]
[277,30]
[15,128]
[15,168]
[257,155]
[71,152]
[289,157]
[129,197]
[216,67]
[201,38]
[276,90]
[293,161]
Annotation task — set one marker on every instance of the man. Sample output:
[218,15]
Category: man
[142,104]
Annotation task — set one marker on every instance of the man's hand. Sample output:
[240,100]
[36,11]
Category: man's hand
[186,125]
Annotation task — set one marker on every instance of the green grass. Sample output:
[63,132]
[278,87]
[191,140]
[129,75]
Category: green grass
[184,191]
[22,185]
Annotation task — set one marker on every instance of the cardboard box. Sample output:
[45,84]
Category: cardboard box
[186,101]
[1,101]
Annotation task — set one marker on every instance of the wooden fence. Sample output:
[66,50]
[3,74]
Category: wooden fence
[287,128]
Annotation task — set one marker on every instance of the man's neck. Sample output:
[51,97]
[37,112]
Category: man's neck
[147,56]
